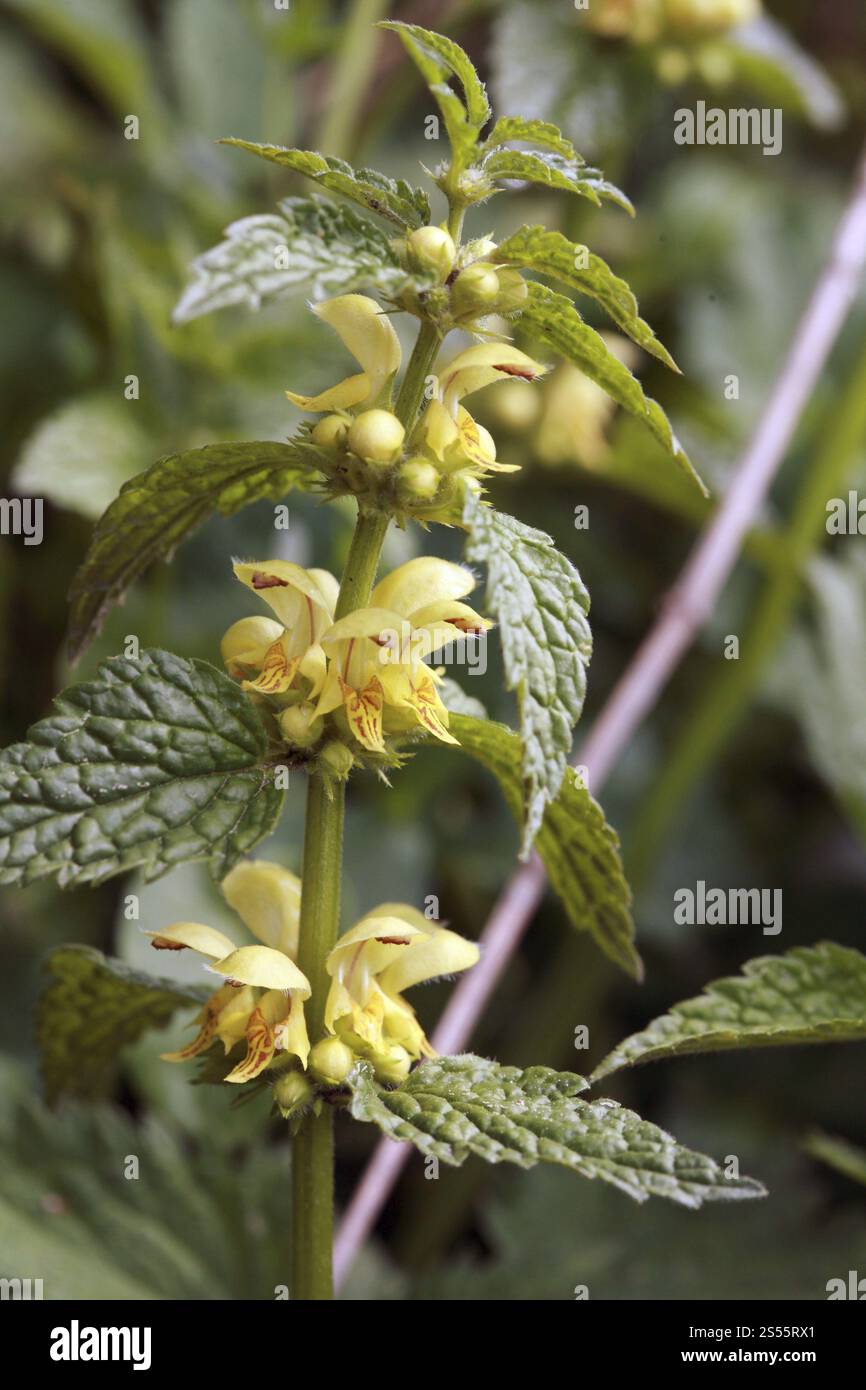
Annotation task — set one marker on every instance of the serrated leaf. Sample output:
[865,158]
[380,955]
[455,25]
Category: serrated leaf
[452,1107]
[578,848]
[393,199]
[440,60]
[517,130]
[311,241]
[551,254]
[155,762]
[540,605]
[159,508]
[556,321]
[553,170]
[811,994]
[91,1008]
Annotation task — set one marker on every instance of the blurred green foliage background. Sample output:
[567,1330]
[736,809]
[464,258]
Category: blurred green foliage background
[750,773]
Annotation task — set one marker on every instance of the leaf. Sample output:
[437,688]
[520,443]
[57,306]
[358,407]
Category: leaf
[393,199]
[557,322]
[193,1226]
[310,241]
[811,994]
[551,254]
[579,850]
[540,604]
[160,507]
[155,762]
[452,1107]
[554,170]
[80,455]
[91,1008]
[439,60]
[515,129]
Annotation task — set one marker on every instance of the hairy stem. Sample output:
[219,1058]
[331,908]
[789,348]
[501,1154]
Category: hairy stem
[411,392]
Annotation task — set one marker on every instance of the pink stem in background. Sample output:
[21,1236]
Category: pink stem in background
[685,610]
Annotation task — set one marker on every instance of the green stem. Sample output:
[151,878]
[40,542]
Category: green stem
[411,392]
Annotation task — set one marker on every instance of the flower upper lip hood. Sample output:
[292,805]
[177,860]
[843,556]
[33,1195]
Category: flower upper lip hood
[262,999]
[369,335]
[304,602]
[390,949]
[376,669]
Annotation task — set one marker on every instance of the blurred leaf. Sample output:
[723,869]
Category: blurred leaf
[327,246]
[183,1223]
[822,677]
[80,456]
[160,507]
[455,699]
[839,1154]
[554,256]
[540,605]
[199,36]
[439,59]
[555,320]
[393,199]
[155,762]
[452,1107]
[765,57]
[579,849]
[811,994]
[91,1008]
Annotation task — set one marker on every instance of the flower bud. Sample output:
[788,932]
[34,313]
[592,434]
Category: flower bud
[376,435]
[292,1092]
[331,1061]
[432,248]
[513,290]
[417,480]
[392,1065]
[244,644]
[337,760]
[475,290]
[331,432]
[295,726]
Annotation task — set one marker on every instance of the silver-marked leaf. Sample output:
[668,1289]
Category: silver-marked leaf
[440,60]
[158,508]
[540,604]
[91,1008]
[551,254]
[154,762]
[310,241]
[811,994]
[555,320]
[578,848]
[394,199]
[452,1107]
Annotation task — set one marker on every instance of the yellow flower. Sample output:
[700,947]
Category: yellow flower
[287,654]
[376,669]
[392,948]
[370,338]
[446,430]
[262,999]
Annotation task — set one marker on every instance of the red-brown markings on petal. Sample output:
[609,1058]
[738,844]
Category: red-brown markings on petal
[260,580]
[161,943]
[393,940]
[523,372]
